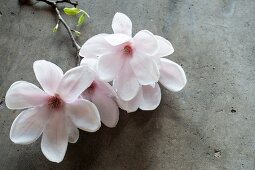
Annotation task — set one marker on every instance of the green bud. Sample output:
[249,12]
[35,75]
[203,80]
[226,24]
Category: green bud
[55,28]
[72,11]
[77,33]
[81,20]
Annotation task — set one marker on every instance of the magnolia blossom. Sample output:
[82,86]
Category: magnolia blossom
[172,77]
[134,64]
[128,61]
[56,112]
[102,95]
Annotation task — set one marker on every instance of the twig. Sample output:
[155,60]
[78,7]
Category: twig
[53,4]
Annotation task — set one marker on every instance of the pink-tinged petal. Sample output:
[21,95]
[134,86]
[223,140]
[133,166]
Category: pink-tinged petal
[145,69]
[131,105]
[74,82]
[108,109]
[165,47]
[151,97]
[23,94]
[117,39]
[84,115]
[109,65]
[28,125]
[172,75]
[146,43]
[95,46]
[48,74]
[90,62]
[106,88]
[126,84]
[122,24]
[73,132]
[55,137]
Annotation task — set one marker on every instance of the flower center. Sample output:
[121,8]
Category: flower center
[55,102]
[127,50]
[92,87]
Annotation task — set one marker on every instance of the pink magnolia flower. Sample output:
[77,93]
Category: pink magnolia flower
[102,95]
[172,77]
[135,64]
[56,112]
[128,61]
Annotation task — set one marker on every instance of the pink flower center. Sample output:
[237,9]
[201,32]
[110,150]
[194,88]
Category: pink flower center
[92,87]
[55,102]
[128,50]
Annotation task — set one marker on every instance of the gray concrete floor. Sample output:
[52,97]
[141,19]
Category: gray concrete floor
[207,126]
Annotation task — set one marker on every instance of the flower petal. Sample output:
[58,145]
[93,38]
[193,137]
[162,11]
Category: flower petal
[73,132]
[131,105]
[84,115]
[117,39]
[55,138]
[172,75]
[90,62]
[108,109]
[122,24]
[23,94]
[151,97]
[74,82]
[126,84]
[95,46]
[108,66]
[165,47]
[28,125]
[146,43]
[145,69]
[48,74]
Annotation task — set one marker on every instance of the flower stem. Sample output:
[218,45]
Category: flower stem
[53,4]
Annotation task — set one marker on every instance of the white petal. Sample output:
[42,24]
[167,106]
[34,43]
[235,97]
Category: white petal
[126,84]
[131,105]
[172,75]
[165,47]
[74,82]
[106,88]
[84,115]
[23,94]
[73,132]
[151,97]
[145,69]
[108,109]
[90,62]
[117,39]
[28,125]
[109,65]
[122,24]
[55,138]
[146,43]
[48,74]
[95,46]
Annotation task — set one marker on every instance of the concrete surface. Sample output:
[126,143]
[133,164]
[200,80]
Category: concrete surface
[207,126]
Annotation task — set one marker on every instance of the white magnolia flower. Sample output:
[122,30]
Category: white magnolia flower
[135,64]
[102,95]
[56,112]
[128,61]
[172,77]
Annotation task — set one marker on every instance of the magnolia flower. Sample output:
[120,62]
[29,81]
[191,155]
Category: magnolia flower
[134,64]
[128,61]
[102,95]
[56,112]
[172,77]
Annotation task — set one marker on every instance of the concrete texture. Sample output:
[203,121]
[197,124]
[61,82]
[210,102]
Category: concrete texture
[207,126]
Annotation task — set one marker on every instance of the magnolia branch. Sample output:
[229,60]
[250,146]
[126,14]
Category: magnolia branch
[53,4]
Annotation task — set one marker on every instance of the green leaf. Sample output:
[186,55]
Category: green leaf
[72,11]
[55,28]
[81,20]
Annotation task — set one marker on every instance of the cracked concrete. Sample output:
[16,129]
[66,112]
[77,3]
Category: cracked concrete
[208,125]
